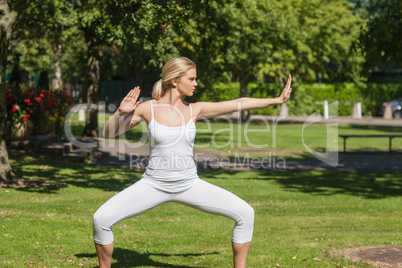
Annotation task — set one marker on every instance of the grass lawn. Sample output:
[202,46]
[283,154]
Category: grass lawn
[300,218]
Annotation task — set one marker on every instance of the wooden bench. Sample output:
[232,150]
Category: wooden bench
[390,137]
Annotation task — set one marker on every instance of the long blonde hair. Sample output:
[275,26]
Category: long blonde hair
[174,68]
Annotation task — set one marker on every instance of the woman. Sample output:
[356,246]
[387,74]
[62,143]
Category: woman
[171,174]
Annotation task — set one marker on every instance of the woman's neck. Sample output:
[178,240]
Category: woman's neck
[172,97]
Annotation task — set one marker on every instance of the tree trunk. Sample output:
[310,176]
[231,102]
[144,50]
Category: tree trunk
[91,124]
[244,115]
[7,19]
[57,82]
[7,177]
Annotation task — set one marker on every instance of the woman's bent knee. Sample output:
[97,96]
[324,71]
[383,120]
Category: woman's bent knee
[247,214]
[251,214]
[102,229]
[101,220]
[243,231]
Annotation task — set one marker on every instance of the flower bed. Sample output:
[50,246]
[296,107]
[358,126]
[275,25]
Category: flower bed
[43,110]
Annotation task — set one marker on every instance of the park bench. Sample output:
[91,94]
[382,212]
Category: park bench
[390,137]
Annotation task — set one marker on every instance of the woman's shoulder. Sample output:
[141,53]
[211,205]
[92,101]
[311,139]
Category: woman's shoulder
[198,104]
[196,107]
[143,107]
[146,103]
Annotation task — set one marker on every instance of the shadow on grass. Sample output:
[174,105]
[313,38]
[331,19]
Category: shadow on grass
[365,184]
[131,258]
[59,173]
[368,185]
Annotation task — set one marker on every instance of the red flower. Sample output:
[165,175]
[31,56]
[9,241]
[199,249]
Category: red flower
[38,99]
[13,109]
[51,104]
[28,102]
[25,117]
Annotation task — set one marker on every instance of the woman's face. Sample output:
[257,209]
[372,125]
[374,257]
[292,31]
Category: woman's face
[186,84]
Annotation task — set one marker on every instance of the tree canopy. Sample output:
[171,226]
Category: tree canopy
[233,40]
[380,38]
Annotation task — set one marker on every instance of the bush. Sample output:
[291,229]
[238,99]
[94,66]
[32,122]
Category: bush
[221,92]
[344,93]
[374,94]
[230,91]
[265,90]
[44,109]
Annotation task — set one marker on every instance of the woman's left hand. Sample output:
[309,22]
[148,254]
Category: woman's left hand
[285,95]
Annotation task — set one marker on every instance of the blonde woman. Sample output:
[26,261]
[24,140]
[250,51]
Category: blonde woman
[171,174]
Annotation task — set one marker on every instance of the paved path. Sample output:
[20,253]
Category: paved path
[135,155]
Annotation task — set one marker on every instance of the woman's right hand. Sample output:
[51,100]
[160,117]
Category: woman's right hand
[285,95]
[129,103]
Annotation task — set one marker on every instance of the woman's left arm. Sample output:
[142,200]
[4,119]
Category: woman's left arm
[212,109]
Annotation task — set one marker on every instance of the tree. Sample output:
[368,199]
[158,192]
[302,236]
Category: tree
[107,23]
[228,40]
[248,43]
[380,38]
[40,33]
[320,36]
[9,12]
[252,40]
[276,37]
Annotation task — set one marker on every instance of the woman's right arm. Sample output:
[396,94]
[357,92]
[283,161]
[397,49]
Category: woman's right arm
[126,116]
[212,109]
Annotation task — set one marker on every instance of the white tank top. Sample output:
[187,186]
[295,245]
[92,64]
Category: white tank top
[171,166]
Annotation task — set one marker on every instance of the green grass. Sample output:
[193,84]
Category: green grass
[298,214]
[259,138]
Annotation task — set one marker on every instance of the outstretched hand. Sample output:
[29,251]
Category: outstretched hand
[130,103]
[285,95]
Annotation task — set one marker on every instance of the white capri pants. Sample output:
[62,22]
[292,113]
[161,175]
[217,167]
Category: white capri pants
[204,196]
